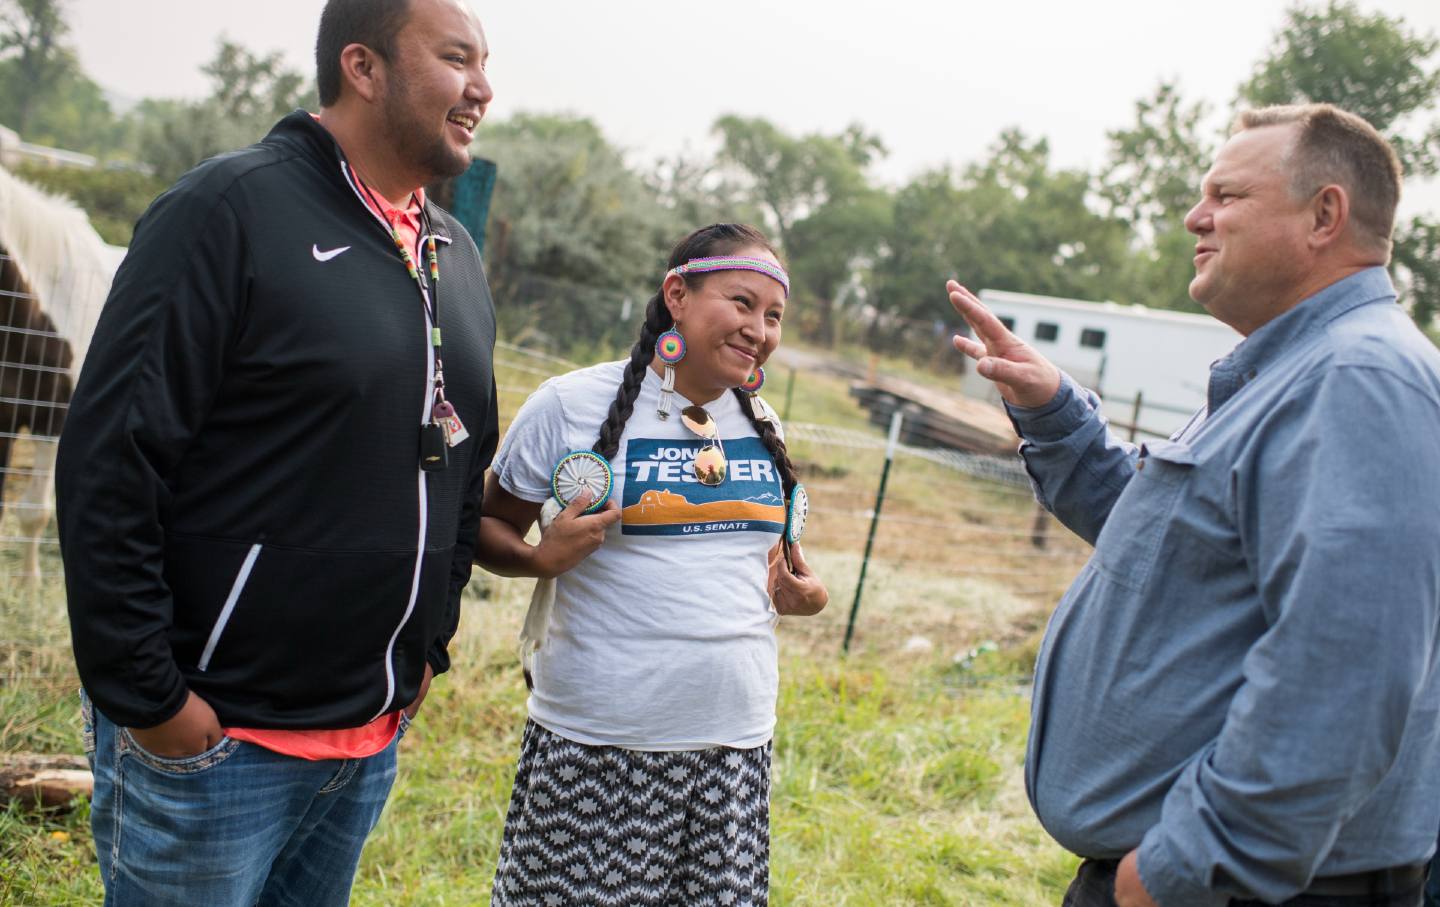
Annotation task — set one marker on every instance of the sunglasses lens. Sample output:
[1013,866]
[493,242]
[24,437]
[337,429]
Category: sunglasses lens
[698,420]
[710,465]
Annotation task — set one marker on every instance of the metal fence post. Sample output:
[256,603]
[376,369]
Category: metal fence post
[896,418]
[1135,415]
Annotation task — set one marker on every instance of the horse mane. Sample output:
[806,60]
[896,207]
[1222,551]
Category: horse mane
[66,264]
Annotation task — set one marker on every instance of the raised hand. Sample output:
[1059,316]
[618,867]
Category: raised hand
[1023,376]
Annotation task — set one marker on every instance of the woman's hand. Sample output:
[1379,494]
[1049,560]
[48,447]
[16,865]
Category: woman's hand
[795,591]
[573,536]
[505,520]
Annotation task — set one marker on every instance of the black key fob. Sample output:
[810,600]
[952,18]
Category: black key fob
[434,452]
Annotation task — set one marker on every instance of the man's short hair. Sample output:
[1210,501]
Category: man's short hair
[1337,147]
[373,23]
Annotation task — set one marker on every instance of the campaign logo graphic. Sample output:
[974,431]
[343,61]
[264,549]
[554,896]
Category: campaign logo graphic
[663,497]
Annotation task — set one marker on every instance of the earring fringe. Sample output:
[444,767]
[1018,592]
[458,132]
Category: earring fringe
[667,392]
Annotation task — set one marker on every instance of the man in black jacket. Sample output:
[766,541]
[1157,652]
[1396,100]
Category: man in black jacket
[269,483]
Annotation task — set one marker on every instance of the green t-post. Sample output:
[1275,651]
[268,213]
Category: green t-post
[895,419]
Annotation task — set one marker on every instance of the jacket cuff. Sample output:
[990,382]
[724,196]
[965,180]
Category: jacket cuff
[117,703]
[1167,878]
[438,658]
[1067,411]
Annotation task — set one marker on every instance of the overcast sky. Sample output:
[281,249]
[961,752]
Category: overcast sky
[937,81]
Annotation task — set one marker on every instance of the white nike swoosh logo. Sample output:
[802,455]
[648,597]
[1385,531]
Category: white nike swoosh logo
[326,256]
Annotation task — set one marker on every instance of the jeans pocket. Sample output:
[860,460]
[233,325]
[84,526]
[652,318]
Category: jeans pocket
[184,765]
[87,726]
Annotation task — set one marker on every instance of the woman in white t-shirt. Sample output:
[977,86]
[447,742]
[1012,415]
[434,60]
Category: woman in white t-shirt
[644,772]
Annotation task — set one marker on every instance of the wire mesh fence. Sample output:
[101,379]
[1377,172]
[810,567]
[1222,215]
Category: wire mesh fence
[45,316]
[959,534]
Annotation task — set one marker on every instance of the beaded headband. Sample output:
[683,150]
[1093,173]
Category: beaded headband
[731,263]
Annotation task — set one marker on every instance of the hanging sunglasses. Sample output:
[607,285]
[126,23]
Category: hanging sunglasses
[710,460]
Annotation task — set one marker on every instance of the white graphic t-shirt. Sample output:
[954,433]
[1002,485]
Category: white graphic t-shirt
[661,639]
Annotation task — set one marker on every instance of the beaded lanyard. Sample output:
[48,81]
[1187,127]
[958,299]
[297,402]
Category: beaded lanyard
[433,452]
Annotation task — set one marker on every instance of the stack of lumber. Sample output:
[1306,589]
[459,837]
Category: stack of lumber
[937,418]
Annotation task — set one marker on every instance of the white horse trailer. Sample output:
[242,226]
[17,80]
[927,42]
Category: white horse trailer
[1128,354]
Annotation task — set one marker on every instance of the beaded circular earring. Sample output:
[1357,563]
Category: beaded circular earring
[756,381]
[670,347]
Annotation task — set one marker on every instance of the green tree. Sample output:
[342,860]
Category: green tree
[31,39]
[1150,181]
[931,237]
[249,92]
[114,199]
[699,193]
[818,204]
[1152,177]
[1035,229]
[1372,65]
[830,250]
[1419,256]
[790,177]
[1009,222]
[573,233]
[44,94]
[1377,67]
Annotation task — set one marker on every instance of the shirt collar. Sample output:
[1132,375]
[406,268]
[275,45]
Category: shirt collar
[1284,333]
[408,215]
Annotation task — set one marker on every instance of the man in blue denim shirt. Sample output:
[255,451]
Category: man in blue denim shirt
[1237,700]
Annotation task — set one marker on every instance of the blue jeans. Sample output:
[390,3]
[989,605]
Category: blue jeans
[235,825]
[1432,884]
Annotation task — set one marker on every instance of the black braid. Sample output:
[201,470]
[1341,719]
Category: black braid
[657,322]
[772,441]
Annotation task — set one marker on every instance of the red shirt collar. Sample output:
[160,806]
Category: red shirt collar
[407,217]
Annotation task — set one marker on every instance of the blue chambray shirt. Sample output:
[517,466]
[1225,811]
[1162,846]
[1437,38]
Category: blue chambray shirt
[1241,681]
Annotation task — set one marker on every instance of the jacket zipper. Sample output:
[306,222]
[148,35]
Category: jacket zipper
[420,473]
[236,588]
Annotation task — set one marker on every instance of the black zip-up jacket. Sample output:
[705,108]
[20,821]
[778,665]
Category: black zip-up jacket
[239,497]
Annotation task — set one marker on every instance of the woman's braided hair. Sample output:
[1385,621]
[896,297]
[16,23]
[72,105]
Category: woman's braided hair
[716,239]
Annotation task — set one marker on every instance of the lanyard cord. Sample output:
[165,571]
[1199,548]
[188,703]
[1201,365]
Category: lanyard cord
[431,300]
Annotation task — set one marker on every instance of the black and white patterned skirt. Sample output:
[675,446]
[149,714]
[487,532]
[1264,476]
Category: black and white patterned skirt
[611,827]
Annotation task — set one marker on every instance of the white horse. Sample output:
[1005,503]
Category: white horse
[55,272]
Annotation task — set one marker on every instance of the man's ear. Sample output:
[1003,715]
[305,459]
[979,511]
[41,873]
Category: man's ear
[675,294]
[363,71]
[1330,216]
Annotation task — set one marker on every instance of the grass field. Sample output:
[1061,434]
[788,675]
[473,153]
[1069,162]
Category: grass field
[897,769]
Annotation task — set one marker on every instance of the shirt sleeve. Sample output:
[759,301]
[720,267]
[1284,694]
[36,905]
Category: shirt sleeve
[1076,465]
[153,368]
[534,443]
[1336,511]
